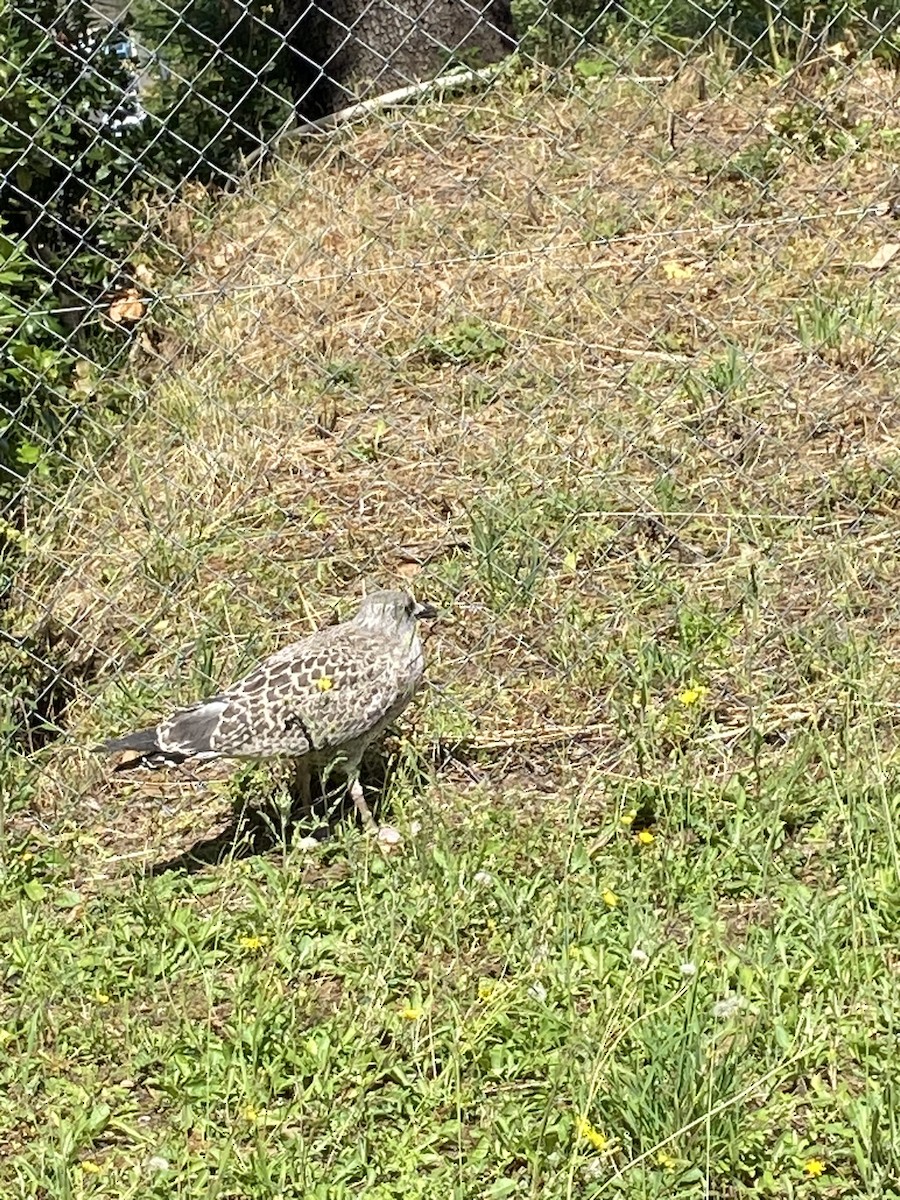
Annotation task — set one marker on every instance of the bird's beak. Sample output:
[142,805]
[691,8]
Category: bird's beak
[425,612]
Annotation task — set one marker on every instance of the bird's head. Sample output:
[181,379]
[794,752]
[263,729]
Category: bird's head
[392,610]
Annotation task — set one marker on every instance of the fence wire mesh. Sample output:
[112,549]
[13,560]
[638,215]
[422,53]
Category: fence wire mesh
[580,322]
[598,351]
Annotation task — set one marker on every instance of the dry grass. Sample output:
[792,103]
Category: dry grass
[595,365]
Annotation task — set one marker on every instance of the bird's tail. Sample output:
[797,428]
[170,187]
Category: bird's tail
[144,741]
[145,748]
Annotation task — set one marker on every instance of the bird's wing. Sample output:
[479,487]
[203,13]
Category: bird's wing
[318,694]
[324,693]
[193,731]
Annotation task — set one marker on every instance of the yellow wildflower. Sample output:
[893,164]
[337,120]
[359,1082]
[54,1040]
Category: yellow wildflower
[586,1130]
[814,1167]
[692,694]
[251,943]
[412,1012]
[609,898]
[676,272]
[646,838]
[101,998]
[666,1161]
[251,1113]
[90,1167]
[627,818]
[325,684]
[486,989]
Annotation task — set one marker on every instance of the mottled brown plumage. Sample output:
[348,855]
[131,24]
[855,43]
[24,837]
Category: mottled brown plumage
[322,700]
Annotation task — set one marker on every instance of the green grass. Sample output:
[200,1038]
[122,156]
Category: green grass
[640,940]
[438,1023]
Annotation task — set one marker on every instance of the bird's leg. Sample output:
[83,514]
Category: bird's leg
[361,807]
[302,784]
[386,836]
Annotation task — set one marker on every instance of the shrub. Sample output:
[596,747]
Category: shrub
[757,30]
[34,368]
[90,125]
[222,84]
[67,167]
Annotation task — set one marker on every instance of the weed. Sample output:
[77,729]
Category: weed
[823,132]
[341,373]
[849,330]
[759,163]
[465,342]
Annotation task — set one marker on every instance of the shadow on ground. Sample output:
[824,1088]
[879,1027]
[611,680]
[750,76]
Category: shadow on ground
[263,829]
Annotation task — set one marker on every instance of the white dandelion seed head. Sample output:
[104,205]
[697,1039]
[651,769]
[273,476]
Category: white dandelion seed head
[688,970]
[728,1007]
[483,878]
[639,956]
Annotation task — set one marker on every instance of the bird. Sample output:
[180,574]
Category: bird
[320,701]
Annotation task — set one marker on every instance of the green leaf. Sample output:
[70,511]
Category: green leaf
[593,68]
[28,453]
[35,890]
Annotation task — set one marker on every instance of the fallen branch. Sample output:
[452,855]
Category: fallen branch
[442,83]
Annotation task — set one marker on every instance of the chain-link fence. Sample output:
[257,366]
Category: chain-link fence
[581,323]
[584,338]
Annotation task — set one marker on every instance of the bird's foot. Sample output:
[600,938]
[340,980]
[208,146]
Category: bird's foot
[389,839]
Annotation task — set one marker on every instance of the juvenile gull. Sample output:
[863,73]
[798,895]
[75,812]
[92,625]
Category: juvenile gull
[321,701]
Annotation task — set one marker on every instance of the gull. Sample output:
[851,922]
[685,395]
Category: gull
[320,701]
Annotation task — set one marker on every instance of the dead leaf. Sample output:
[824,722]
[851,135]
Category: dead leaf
[677,272]
[127,306]
[881,257]
[129,759]
[146,343]
[224,255]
